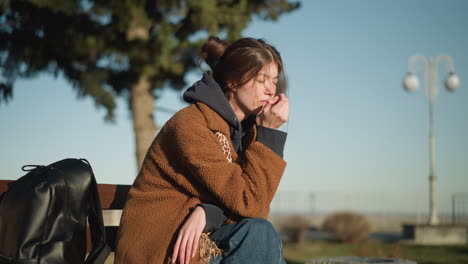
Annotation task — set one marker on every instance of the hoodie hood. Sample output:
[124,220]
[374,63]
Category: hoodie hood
[208,91]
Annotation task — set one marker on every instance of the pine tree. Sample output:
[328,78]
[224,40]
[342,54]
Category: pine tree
[127,48]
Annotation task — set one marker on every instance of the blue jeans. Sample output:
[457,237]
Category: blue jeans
[251,240]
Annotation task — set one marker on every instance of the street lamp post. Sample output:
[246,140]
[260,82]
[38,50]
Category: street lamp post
[411,83]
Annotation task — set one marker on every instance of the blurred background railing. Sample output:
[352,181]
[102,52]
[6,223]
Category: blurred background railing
[460,208]
[385,211]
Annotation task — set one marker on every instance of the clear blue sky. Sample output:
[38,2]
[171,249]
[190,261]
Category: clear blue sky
[352,127]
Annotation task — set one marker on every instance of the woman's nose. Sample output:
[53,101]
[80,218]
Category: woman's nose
[270,88]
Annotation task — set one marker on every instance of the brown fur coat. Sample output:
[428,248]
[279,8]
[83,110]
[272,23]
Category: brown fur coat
[190,162]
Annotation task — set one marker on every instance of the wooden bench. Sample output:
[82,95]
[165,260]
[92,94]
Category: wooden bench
[113,197]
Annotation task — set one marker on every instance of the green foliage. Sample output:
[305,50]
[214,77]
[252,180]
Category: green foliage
[300,253]
[103,47]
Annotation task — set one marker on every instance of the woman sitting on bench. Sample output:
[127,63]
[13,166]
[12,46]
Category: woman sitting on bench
[205,186]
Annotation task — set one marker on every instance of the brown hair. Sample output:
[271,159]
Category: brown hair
[240,61]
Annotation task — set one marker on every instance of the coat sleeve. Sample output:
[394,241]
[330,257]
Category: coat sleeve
[246,190]
[214,217]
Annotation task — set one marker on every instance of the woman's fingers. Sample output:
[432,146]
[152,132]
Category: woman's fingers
[281,109]
[187,241]
[175,253]
[274,100]
[182,250]
[196,239]
[270,104]
[276,112]
[188,251]
[191,245]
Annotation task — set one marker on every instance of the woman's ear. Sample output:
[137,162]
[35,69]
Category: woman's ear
[231,87]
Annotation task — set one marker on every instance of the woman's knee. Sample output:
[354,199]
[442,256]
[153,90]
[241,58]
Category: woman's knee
[260,226]
[259,222]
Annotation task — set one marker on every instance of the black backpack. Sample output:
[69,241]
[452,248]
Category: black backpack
[43,216]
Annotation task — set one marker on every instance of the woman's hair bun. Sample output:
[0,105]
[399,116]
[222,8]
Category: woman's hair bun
[212,50]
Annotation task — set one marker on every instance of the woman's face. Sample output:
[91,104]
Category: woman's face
[250,98]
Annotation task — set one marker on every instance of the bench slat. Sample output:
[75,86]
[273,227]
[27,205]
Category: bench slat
[113,196]
[111,217]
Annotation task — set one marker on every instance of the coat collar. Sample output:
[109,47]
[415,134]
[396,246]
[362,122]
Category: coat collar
[216,123]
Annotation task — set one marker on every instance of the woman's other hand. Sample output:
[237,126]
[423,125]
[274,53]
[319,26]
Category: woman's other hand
[187,242]
[275,113]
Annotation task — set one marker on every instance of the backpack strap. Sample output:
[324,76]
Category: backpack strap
[100,250]
[8,260]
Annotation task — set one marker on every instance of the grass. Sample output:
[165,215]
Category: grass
[298,254]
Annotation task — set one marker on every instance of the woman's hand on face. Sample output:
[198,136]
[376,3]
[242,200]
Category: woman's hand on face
[186,245]
[275,113]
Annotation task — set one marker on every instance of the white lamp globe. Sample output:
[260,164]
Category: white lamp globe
[453,82]
[411,82]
